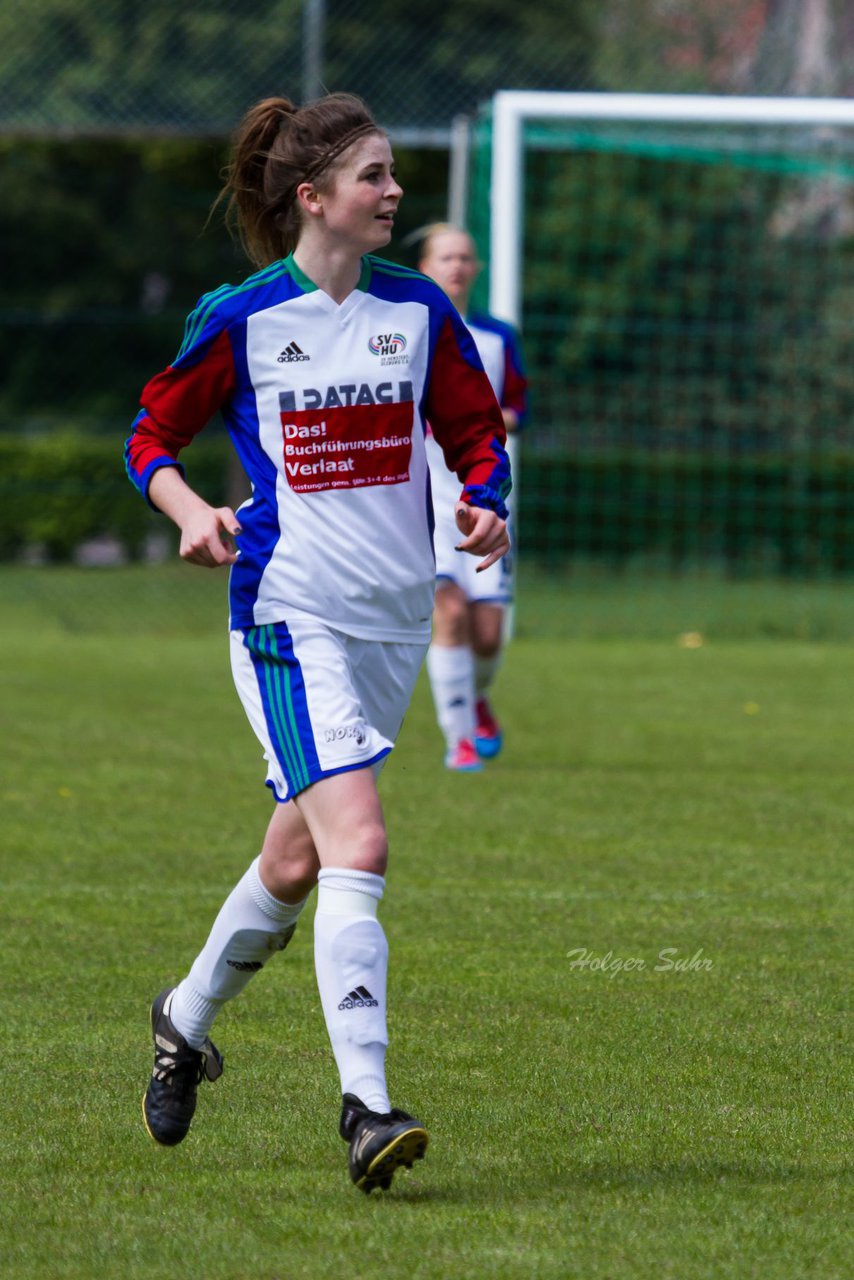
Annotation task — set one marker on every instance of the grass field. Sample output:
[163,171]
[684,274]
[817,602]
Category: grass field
[597,1109]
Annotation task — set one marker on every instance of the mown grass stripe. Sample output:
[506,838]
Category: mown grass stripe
[731,834]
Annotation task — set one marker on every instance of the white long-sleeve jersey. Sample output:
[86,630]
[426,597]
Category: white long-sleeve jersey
[326,405]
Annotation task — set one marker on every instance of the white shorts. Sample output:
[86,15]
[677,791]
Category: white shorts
[495,584]
[321,702]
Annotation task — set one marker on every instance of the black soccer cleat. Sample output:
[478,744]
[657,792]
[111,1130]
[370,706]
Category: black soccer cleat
[170,1098]
[379,1144]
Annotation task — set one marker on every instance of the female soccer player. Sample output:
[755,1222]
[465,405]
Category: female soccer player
[469,614]
[324,364]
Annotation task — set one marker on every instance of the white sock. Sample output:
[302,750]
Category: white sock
[351,960]
[485,671]
[251,927]
[451,671]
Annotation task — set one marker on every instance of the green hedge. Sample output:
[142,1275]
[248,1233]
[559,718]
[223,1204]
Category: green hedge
[787,515]
[777,515]
[57,491]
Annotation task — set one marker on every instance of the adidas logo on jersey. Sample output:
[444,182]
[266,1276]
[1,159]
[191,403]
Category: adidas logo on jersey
[292,352]
[359,998]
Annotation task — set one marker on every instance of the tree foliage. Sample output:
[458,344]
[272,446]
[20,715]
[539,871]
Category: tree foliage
[107,245]
[104,241]
[75,64]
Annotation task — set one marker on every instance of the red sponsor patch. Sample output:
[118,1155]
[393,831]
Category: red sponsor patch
[347,447]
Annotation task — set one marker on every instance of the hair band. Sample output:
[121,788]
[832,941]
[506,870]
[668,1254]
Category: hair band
[334,152]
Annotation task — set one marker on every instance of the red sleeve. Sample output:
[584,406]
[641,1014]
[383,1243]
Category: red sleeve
[176,405]
[514,393]
[462,410]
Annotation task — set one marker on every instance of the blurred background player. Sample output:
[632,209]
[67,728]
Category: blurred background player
[468,618]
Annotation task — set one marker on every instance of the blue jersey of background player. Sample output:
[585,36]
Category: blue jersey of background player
[468,619]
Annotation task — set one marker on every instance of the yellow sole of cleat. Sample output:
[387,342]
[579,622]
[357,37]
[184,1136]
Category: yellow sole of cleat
[402,1151]
[145,1122]
[153,1136]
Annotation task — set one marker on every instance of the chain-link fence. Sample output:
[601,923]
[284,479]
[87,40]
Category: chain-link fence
[116,66]
[113,126]
[74,66]
[687,297]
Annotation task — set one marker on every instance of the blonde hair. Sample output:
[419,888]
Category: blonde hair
[424,236]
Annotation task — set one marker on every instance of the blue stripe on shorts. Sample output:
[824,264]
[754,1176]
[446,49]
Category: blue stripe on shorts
[282,689]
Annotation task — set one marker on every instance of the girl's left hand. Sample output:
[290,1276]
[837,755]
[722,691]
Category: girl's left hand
[484,534]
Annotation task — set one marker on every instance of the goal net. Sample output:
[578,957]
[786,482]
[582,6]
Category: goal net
[682,270]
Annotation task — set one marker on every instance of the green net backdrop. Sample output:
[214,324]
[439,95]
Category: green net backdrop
[688,298]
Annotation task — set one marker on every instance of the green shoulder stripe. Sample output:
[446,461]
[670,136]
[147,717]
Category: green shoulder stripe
[197,319]
[393,269]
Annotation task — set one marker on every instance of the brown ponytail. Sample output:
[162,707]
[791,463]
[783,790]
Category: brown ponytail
[275,148]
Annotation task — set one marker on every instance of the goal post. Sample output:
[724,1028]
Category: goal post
[512,108]
[682,270]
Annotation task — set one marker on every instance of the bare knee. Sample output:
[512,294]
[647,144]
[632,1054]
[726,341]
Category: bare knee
[450,616]
[289,862]
[344,815]
[368,850]
[487,628]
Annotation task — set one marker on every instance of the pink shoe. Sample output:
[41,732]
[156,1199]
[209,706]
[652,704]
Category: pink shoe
[488,735]
[463,757]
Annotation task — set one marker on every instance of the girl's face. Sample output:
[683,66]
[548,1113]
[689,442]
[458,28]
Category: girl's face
[452,262]
[362,197]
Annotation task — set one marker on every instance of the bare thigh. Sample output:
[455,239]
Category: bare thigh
[337,822]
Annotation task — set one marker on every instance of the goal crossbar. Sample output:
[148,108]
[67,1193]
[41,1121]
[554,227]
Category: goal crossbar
[512,108]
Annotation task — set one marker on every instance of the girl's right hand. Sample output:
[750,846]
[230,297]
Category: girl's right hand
[484,534]
[207,536]
[207,533]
